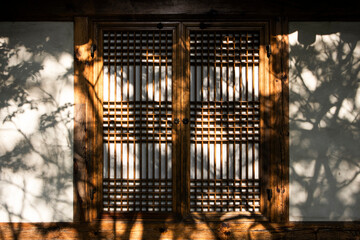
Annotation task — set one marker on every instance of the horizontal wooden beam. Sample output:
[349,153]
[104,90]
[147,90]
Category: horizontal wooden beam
[173,9]
[137,229]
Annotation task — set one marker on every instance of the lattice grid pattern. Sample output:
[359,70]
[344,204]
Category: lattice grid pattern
[137,121]
[224,121]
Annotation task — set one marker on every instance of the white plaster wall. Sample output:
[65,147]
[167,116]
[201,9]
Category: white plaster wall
[36,121]
[324,121]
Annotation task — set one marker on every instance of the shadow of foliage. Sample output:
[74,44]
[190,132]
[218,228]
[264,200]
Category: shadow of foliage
[324,121]
[36,120]
[22,91]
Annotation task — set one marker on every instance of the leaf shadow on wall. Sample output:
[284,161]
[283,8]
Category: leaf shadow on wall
[36,114]
[324,122]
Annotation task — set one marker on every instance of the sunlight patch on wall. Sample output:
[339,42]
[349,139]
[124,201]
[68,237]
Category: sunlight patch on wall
[36,122]
[309,79]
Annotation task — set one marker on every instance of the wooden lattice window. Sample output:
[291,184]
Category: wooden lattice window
[182,119]
[137,122]
[224,121]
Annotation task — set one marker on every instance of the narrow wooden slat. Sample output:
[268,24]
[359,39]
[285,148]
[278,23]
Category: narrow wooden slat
[147,113]
[221,108]
[127,118]
[185,128]
[215,144]
[208,118]
[241,99]
[166,122]
[222,115]
[178,165]
[253,99]
[141,112]
[109,87]
[121,112]
[115,130]
[234,99]
[195,77]
[96,128]
[160,152]
[153,117]
[228,110]
[247,107]
[263,148]
[202,117]
[134,102]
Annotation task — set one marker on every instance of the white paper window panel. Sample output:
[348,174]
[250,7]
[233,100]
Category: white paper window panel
[209,83]
[242,157]
[154,159]
[146,82]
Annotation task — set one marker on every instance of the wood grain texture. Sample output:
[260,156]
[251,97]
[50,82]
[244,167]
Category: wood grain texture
[81,163]
[260,9]
[87,115]
[96,86]
[264,120]
[184,93]
[279,123]
[176,146]
[167,229]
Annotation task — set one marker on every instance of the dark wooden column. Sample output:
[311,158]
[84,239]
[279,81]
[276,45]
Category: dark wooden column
[81,155]
[279,121]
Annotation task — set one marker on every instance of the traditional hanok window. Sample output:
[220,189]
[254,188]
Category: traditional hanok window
[182,118]
[224,121]
[137,121]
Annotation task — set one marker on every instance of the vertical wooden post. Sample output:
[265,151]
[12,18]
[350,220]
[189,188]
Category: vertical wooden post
[265,114]
[81,158]
[181,89]
[279,97]
[185,113]
[176,94]
[95,76]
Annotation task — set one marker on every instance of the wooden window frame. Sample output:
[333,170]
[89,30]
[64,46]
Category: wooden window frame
[88,117]
[99,28]
[231,26]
